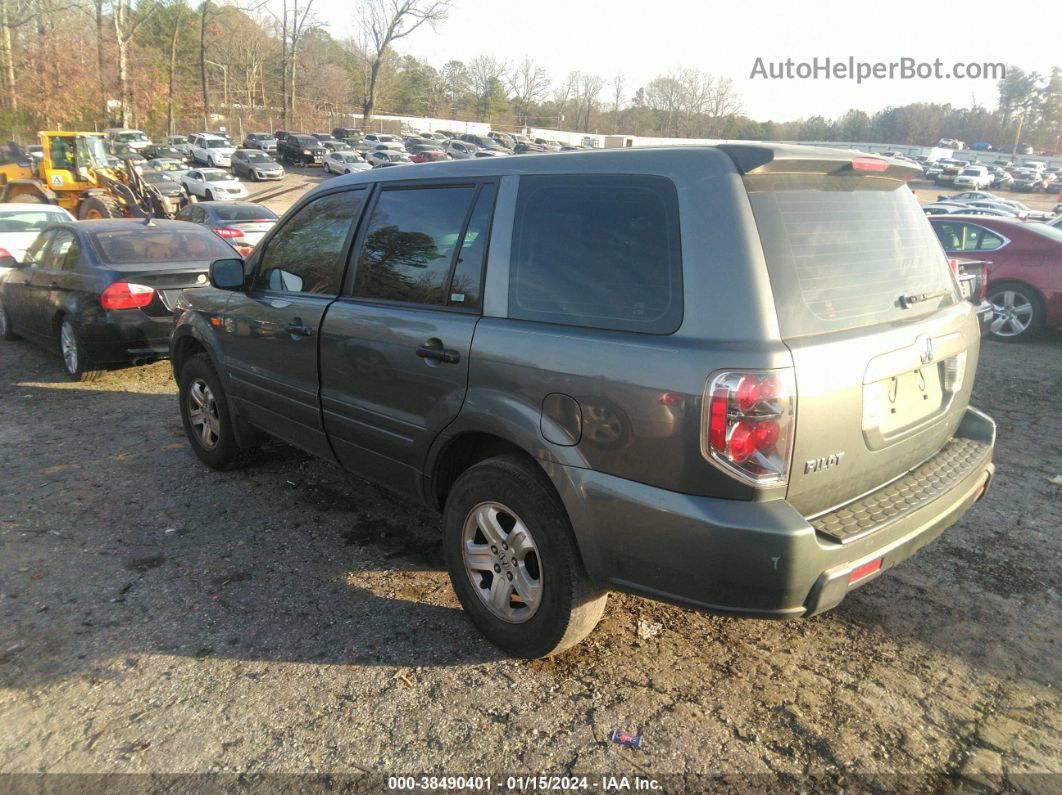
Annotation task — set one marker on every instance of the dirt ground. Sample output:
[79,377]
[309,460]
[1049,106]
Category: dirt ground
[158,617]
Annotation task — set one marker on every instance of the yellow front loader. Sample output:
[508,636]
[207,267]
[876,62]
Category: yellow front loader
[74,173]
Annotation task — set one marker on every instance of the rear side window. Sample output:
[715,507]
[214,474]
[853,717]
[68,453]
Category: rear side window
[841,250]
[415,238]
[597,251]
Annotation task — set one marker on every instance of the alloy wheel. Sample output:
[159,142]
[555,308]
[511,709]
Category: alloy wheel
[502,562]
[203,414]
[68,345]
[1013,313]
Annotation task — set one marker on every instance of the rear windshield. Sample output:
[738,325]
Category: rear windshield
[134,246]
[29,220]
[842,250]
[242,212]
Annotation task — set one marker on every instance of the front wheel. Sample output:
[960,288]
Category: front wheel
[79,365]
[513,561]
[1018,313]
[205,415]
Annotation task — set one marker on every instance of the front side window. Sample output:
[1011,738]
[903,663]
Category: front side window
[305,255]
[410,244]
[597,251]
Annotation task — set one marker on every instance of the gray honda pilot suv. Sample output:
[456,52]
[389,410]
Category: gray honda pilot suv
[735,378]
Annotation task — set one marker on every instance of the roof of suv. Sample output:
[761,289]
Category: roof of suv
[748,158]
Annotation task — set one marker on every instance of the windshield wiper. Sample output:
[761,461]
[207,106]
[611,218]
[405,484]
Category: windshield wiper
[906,300]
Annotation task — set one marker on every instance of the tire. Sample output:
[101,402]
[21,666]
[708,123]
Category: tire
[1018,312]
[490,505]
[206,417]
[79,366]
[102,206]
[210,196]
[6,331]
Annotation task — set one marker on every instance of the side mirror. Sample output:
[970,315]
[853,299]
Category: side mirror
[227,274]
[9,262]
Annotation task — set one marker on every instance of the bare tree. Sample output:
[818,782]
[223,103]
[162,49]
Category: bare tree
[588,88]
[386,21]
[528,84]
[173,65]
[124,31]
[618,83]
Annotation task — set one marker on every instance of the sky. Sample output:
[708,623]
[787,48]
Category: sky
[642,40]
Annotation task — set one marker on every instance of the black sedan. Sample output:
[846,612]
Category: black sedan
[101,292]
[255,165]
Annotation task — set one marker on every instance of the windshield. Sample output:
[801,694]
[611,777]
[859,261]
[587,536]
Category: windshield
[169,165]
[217,144]
[840,251]
[349,157]
[177,139]
[243,212]
[971,172]
[215,176]
[258,157]
[129,246]
[90,151]
[132,136]
[154,178]
[306,141]
[29,221]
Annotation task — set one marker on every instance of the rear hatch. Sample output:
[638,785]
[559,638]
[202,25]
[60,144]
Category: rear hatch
[883,345]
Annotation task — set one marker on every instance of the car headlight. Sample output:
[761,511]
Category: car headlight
[307,152]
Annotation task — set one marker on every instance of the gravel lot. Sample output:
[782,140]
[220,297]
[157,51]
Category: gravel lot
[160,617]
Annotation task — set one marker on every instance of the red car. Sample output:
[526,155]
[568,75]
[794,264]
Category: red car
[427,154]
[1024,271]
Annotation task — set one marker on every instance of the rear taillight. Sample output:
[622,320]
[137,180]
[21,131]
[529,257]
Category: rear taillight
[747,424]
[225,232]
[123,295]
[954,372]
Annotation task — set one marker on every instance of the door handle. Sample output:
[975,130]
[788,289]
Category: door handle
[298,328]
[439,354]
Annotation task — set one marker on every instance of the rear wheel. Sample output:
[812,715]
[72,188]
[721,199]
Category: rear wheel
[1018,313]
[5,325]
[93,207]
[513,561]
[78,364]
[205,415]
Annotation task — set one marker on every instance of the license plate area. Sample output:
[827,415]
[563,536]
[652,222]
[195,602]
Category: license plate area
[895,404]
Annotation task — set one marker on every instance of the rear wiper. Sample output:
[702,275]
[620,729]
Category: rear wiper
[906,300]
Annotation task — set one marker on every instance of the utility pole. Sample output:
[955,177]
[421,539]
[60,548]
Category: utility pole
[1017,135]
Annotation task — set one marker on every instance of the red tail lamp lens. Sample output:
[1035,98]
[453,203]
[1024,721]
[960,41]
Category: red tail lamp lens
[748,393]
[717,419]
[766,434]
[123,295]
[742,441]
[768,387]
[869,164]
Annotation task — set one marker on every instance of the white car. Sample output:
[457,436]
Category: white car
[461,150]
[134,139]
[173,168]
[21,223]
[388,157]
[382,138]
[973,177]
[211,149]
[345,162]
[213,184]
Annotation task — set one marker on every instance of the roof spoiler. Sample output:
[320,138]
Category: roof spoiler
[760,159]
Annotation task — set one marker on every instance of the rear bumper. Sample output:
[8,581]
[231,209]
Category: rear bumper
[120,336]
[757,559]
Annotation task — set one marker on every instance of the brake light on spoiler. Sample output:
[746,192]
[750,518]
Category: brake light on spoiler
[869,164]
